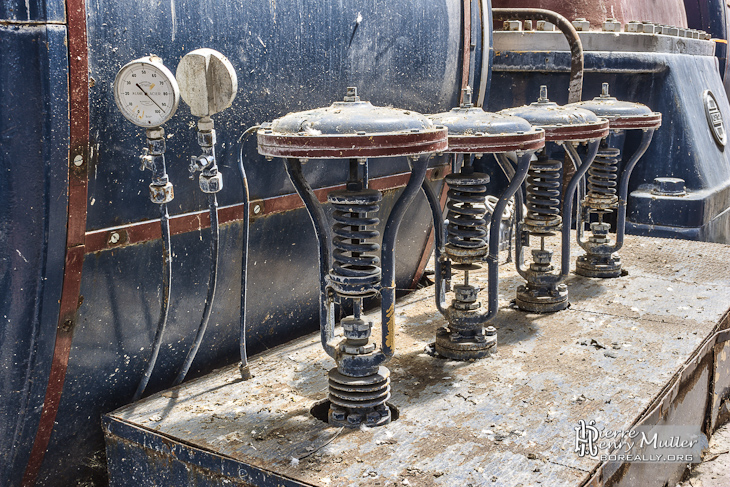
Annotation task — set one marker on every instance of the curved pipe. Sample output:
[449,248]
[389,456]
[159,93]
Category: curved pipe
[418,174]
[324,240]
[243,367]
[575,89]
[570,197]
[624,188]
[485,6]
[165,305]
[438,226]
[210,296]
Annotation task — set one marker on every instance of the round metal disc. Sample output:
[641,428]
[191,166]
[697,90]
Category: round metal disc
[351,129]
[622,115]
[561,123]
[472,130]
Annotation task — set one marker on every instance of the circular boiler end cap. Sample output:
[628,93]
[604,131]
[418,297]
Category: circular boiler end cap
[351,129]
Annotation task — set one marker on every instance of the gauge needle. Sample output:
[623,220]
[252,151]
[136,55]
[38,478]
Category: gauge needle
[148,96]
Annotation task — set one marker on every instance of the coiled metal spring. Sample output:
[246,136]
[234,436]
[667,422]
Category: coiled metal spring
[355,273]
[602,180]
[467,228]
[543,197]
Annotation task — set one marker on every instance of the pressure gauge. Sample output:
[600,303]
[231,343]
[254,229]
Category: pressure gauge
[146,92]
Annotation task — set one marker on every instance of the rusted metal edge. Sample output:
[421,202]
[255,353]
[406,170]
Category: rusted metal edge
[190,454]
[659,407]
[352,145]
[78,79]
[137,233]
[648,121]
[584,131]
[486,143]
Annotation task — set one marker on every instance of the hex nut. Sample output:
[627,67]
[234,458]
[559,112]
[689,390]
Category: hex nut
[211,184]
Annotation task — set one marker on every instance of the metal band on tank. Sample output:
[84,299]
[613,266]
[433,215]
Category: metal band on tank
[76,230]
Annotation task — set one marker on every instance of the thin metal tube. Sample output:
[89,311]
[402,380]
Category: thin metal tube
[210,295]
[324,239]
[438,226]
[418,174]
[624,187]
[243,367]
[165,303]
[575,89]
[485,7]
[583,167]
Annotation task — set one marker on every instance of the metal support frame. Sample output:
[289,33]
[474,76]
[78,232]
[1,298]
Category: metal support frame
[545,291]
[472,341]
[600,259]
[359,385]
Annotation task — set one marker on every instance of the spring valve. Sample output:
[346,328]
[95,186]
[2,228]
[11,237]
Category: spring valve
[544,290]
[469,239]
[359,386]
[601,259]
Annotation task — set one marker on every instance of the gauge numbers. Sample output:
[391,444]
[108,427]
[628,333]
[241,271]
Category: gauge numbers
[146,92]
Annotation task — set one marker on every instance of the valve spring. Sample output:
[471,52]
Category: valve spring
[543,196]
[354,272]
[466,205]
[359,394]
[602,179]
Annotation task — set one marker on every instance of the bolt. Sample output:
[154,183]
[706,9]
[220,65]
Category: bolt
[581,25]
[113,238]
[612,25]
[512,25]
[490,331]
[543,94]
[256,209]
[545,26]
[633,26]
[78,160]
[669,186]
[604,90]
[338,415]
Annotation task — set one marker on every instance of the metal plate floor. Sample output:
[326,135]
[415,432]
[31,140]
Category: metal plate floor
[619,355]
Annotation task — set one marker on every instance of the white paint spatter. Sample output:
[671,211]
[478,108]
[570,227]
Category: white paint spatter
[21,255]
[27,8]
[174,18]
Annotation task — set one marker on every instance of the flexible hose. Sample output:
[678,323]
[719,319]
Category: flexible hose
[165,305]
[212,284]
[243,367]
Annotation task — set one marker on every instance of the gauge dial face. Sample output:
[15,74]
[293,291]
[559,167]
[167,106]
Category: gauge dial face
[146,92]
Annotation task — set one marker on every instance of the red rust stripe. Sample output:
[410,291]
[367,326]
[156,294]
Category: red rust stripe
[136,233]
[76,230]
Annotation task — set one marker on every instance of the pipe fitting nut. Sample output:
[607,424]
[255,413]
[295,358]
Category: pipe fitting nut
[207,138]
[161,193]
[211,184]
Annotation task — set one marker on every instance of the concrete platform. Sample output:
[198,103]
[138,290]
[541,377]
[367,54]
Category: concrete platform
[645,349]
